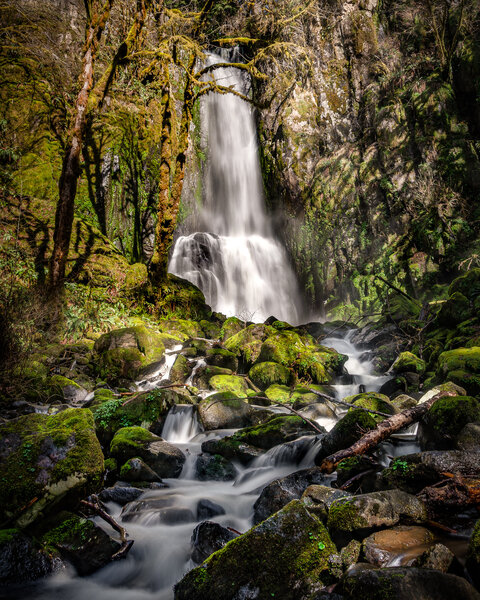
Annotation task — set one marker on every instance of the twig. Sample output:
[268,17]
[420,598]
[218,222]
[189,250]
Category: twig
[126,544]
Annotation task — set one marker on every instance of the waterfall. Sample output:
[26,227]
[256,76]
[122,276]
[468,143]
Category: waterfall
[235,260]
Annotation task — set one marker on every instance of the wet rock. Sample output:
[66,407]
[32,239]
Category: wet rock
[214,468]
[206,509]
[373,337]
[224,411]
[462,366]
[396,385]
[473,555]
[350,467]
[277,430]
[219,357]
[20,560]
[469,437]
[317,411]
[120,494]
[136,470]
[407,362]
[207,538]
[230,327]
[232,449]
[413,472]
[68,389]
[455,310]
[265,374]
[158,509]
[440,426]
[402,402]
[204,373]
[285,557]
[47,462]
[372,401]
[409,542]
[181,370]
[346,432]
[136,442]
[300,396]
[350,554]
[358,515]
[438,557]
[229,383]
[246,344]
[319,498]
[280,492]
[80,541]
[406,584]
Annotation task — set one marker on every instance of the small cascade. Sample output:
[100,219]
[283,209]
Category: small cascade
[236,260]
[161,372]
[181,424]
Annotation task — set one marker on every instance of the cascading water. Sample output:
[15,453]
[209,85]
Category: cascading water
[236,260]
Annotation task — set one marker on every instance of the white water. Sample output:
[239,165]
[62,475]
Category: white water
[236,260]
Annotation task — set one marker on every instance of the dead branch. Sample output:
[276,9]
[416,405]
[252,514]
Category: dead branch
[383,431]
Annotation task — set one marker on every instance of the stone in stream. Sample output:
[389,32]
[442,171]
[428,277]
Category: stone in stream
[284,557]
[438,557]
[214,468]
[20,560]
[358,515]
[81,542]
[224,410]
[47,463]
[136,470]
[231,449]
[407,542]
[159,509]
[219,357]
[413,472]
[120,494]
[445,419]
[319,498]
[405,583]
[136,442]
[265,374]
[280,492]
[206,509]
[207,538]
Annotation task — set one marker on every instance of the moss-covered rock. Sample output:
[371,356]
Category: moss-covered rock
[48,462]
[346,432]
[399,308]
[403,402]
[224,410]
[407,362]
[446,418]
[285,557]
[230,327]
[300,395]
[136,276]
[246,344]
[455,310]
[80,541]
[277,430]
[372,401]
[462,366]
[219,357]
[265,374]
[136,442]
[214,468]
[468,285]
[229,383]
[319,498]
[21,560]
[135,470]
[181,370]
[473,554]
[232,449]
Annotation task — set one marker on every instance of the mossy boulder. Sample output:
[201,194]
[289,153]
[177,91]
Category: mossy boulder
[21,560]
[214,468]
[407,362]
[354,517]
[230,327]
[81,542]
[135,470]
[148,409]
[446,418]
[136,442]
[65,389]
[277,430]
[246,344]
[123,352]
[403,402]
[400,308]
[224,411]
[219,357]
[372,401]
[300,396]
[47,462]
[265,374]
[232,449]
[181,370]
[455,310]
[182,298]
[468,285]
[285,557]
[229,383]
[473,555]
[203,375]
[318,499]
[346,432]
[136,276]
[461,366]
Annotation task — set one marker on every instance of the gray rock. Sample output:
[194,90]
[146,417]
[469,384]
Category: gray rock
[206,509]
[207,538]
[224,411]
[280,492]
[319,498]
[136,470]
[120,494]
[20,561]
[406,584]
[214,468]
[438,557]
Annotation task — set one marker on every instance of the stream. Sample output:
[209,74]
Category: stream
[162,520]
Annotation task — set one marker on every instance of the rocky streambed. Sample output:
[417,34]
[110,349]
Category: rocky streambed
[203,441]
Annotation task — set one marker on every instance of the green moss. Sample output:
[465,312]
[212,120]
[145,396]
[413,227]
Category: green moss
[246,344]
[229,383]
[136,276]
[230,327]
[130,439]
[7,535]
[455,310]
[407,362]
[265,374]
[462,366]
[343,516]
[468,285]
[372,401]
[448,416]
[275,431]
[72,531]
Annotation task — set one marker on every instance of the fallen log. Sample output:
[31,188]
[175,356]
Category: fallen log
[383,431]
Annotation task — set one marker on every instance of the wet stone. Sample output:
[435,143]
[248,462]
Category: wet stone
[206,509]
[401,544]
[207,538]
[120,494]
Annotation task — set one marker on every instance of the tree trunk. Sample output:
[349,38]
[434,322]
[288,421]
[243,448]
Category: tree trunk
[383,431]
[71,162]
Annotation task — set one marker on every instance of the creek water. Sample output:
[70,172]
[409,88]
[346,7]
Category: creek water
[235,259]
[162,520]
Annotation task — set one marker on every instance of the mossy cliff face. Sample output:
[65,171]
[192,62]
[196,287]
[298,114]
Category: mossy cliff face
[47,462]
[368,156]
